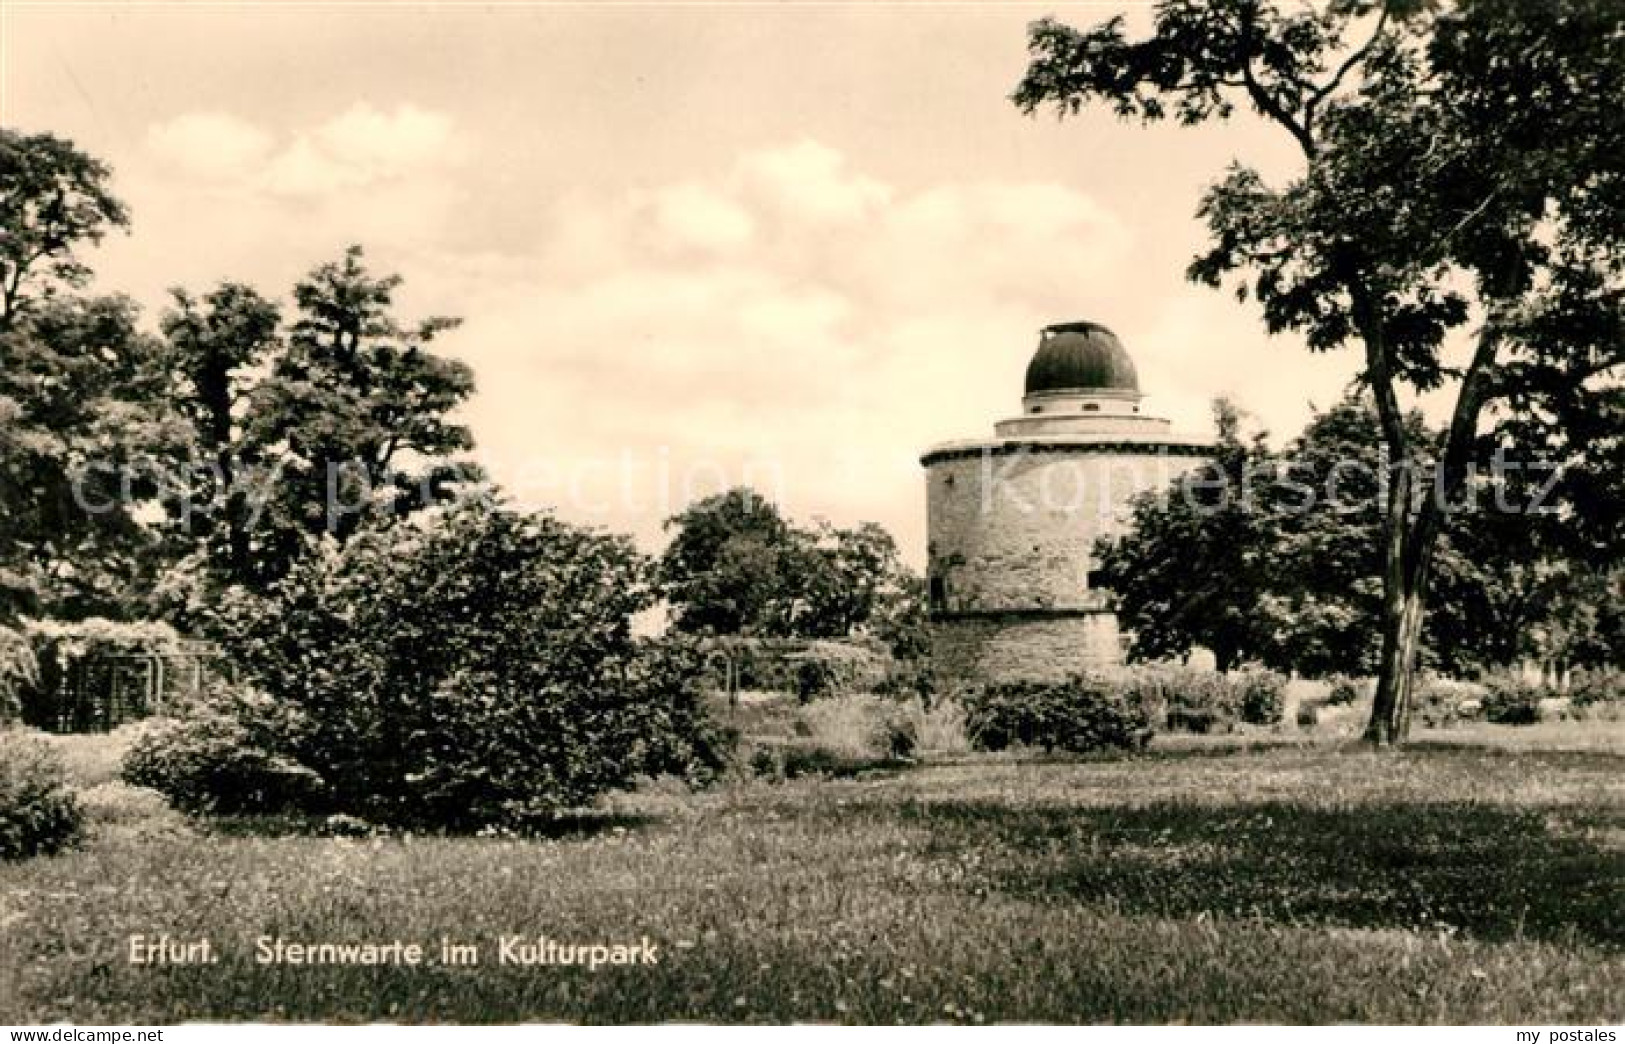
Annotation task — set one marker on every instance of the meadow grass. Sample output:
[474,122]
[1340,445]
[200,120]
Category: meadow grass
[1293,881]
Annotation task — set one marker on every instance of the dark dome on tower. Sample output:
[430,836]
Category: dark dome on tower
[1080,356]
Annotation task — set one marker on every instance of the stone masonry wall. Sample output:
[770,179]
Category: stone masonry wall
[1016,530]
[1044,648]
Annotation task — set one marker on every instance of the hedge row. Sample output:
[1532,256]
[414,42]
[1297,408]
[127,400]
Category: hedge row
[1184,699]
[1121,710]
[1079,715]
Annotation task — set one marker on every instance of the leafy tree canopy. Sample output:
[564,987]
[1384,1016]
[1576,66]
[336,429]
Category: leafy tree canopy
[53,198]
[735,565]
[312,428]
[1462,162]
[1275,557]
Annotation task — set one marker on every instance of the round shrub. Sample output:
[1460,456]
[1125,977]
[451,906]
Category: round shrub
[1180,698]
[1512,700]
[225,756]
[1200,701]
[1261,696]
[1591,686]
[1439,703]
[897,735]
[815,679]
[470,667]
[39,814]
[1080,715]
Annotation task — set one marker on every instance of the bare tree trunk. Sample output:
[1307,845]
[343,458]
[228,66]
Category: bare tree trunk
[1403,608]
[1404,613]
[1415,515]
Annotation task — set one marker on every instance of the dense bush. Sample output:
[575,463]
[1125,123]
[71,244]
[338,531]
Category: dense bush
[1512,700]
[1182,699]
[39,815]
[672,734]
[1199,701]
[1261,695]
[475,667]
[137,814]
[225,756]
[1588,687]
[841,736]
[815,679]
[1080,715]
[898,734]
[1188,699]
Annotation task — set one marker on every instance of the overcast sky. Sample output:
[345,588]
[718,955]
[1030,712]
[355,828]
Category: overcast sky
[793,245]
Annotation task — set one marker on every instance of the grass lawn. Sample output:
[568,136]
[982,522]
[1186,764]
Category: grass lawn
[1479,880]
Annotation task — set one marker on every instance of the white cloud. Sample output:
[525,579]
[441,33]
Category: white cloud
[786,314]
[363,147]
[229,198]
[808,180]
[305,169]
[694,216]
[213,146]
[387,141]
[360,148]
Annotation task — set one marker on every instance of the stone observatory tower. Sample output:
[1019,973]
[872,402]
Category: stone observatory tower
[1012,519]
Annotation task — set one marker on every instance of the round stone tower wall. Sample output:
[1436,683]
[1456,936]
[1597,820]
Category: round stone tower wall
[1012,525]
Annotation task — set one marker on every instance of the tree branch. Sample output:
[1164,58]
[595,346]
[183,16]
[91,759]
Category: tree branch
[1324,91]
[1458,442]
[1272,108]
[1379,372]
[1471,214]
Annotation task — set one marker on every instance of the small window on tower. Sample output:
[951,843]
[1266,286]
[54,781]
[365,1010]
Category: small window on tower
[1036,409]
[939,593]
[1091,407]
[1094,579]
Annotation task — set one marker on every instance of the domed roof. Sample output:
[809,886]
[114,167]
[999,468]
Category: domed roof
[1078,356]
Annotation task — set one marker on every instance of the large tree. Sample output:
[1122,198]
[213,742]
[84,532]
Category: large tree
[85,435]
[1460,162]
[737,566]
[1193,566]
[727,567]
[1273,556]
[216,344]
[53,199]
[314,428]
[84,429]
[362,403]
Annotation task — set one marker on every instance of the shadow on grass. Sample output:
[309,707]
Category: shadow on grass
[1496,873]
[1187,747]
[1605,760]
[572,825]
